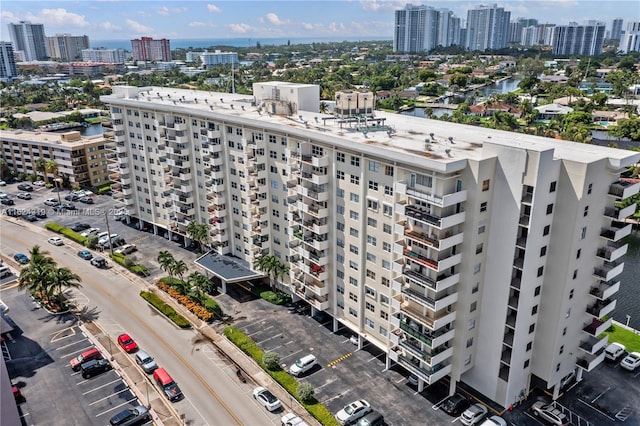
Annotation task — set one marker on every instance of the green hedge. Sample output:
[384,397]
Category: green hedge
[61,229]
[167,310]
[275,298]
[172,281]
[136,269]
[212,305]
[55,227]
[248,346]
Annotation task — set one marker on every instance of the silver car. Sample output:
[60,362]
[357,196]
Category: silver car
[145,361]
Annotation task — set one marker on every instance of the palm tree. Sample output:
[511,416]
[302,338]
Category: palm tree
[272,266]
[166,261]
[179,268]
[61,278]
[51,167]
[35,276]
[41,165]
[279,271]
[199,284]
[198,232]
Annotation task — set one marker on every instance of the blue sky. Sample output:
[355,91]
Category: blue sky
[115,19]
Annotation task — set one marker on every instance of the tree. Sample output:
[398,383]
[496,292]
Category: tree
[35,275]
[179,267]
[91,241]
[199,284]
[306,392]
[271,360]
[166,261]
[51,167]
[41,165]
[198,232]
[272,266]
[60,279]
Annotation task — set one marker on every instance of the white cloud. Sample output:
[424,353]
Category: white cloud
[336,27]
[239,28]
[164,11]
[196,24]
[307,26]
[110,27]
[6,15]
[275,20]
[138,27]
[58,18]
[382,5]
[213,8]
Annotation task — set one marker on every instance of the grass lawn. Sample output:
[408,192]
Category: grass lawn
[629,339]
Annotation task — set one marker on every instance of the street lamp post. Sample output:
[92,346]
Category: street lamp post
[628,318]
[58,181]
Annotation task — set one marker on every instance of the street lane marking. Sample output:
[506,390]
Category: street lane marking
[9,287]
[100,387]
[117,406]
[342,358]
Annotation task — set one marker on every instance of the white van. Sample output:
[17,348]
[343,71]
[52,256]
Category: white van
[5,271]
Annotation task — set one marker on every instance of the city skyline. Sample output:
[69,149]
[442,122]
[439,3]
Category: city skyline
[114,20]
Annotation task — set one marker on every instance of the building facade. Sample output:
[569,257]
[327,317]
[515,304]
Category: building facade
[218,58]
[630,39]
[84,160]
[66,47]
[8,70]
[616,28]
[487,28]
[149,49]
[484,256]
[574,39]
[419,29]
[29,40]
[110,56]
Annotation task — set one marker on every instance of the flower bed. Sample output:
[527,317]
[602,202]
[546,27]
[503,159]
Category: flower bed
[196,308]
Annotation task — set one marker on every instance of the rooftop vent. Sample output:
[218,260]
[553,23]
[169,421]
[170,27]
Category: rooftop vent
[231,105]
[451,140]
[221,100]
[242,106]
[433,136]
[448,152]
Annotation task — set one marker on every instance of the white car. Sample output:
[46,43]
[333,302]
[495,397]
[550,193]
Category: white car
[39,183]
[51,202]
[90,231]
[105,239]
[631,361]
[352,412]
[24,195]
[550,413]
[56,241]
[3,183]
[303,365]
[126,249]
[473,415]
[614,351]
[494,421]
[291,419]
[266,398]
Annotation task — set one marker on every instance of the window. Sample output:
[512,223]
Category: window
[384,281]
[353,312]
[372,205]
[529,346]
[534,310]
[470,342]
[353,281]
[549,208]
[372,222]
[475,288]
[479,248]
[571,292]
[369,291]
[340,289]
[583,233]
[340,193]
[485,185]
[473,306]
[540,271]
[340,304]
[386,265]
[353,249]
[546,230]
[340,157]
[371,240]
[575,274]
[388,170]
[536,292]
[340,226]
[387,209]
[340,258]
[371,274]
[369,323]
[353,232]
[353,296]
[564,331]
[483,207]
[532,328]
[386,247]
[374,166]
[526,364]
[481,229]
[568,314]
[355,161]
[590,188]
[386,228]
[467,360]
[340,209]
[385,301]
[477,268]
[578,253]
[373,185]
[586,211]
[355,180]
[354,215]
[543,251]
[340,274]
[353,265]
[340,242]
[561,350]
[354,197]
[471,324]
[552,187]
[371,257]
[339,175]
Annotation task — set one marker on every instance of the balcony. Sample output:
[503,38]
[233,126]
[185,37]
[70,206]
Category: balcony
[612,251]
[601,307]
[616,231]
[591,345]
[609,270]
[596,327]
[315,210]
[421,214]
[437,265]
[316,161]
[316,226]
[316,194]
[624,189]
[429,319]
[428,375]
[438,200]
[318,288]
[315,178]
[321,304]
[605,289]
[589,362]
[618,213]
[421,296]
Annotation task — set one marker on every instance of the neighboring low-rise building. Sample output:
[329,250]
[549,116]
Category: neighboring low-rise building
[82,159]
[110,56]
[549,111]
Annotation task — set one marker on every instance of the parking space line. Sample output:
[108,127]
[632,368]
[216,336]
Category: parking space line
[117,406]
[76,352]
[438,404]
[326,384]
[268,338]
[100,387]
[70,344]
[258,331]
[596,409]
[342,358]
[291,354]
[107,397]
[284,344]
[56,335]
[339,395]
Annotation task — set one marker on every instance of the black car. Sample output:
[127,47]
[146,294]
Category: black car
[31,218]
[455,404]
[59,208]
[41,214]
[129,416]
[7,201]
[71,197]
[69,206]
[25,187]
[86,200]
[13,213]
[78,227]
[94,367]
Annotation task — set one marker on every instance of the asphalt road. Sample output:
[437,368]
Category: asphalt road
[213,395]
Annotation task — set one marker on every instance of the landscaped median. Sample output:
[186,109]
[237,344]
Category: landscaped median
[199,303]
[165,309]
[286,380]
[122,260]
[61,229]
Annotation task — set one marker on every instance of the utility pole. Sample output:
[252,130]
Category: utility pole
[106,220]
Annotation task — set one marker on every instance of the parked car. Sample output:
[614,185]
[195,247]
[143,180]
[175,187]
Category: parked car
[24,195]
[567,380]
[129,416]
[549,413]
[39,183]
[126,249]
[473,415]
[266,398]
[5,271]
[455,404]
[21,258]
[13,212]
[631,361]
[145,361]
[25,187]
[353,411]
[40,213]
[85,356]
[614,351]
[413,380]
[373,418]
[71,197]
[303,365]
[56,241]
[86,200]
[51,202]
[31,218]
[94,367]
[105,238]
[3,183]
[77,227]
[494,421]
[290,419]
[7,202]
[127,343]
[167,384]
[69,206]
[99,262]
[90,231]
[85,254]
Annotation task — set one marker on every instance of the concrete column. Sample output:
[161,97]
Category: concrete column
[224,286]
[556,391]
[420,385]
[452,387]
[579,375]
[155,229]
[335,325]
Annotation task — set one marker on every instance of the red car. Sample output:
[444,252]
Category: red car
[127,343]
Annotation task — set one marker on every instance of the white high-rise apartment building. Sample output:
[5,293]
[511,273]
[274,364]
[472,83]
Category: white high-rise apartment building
[574,39]
[8,70]
[29,40]
[616,28]
[67,47]
[630,39]
[486,256]
[218,58]
[487,28]
[422,28]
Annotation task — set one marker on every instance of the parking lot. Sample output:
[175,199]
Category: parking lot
[39,366]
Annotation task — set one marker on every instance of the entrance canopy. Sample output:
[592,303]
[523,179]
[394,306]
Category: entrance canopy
[229,269]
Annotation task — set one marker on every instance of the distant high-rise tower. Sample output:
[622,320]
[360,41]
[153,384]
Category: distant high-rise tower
[422,28]
[29,39]
[487,28]
[149,49]
[630,39]
[8,69]
[616,29]
[67,47]
[574,39]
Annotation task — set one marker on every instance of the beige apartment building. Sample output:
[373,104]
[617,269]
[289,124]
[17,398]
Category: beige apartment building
[486,256]
[83,159]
